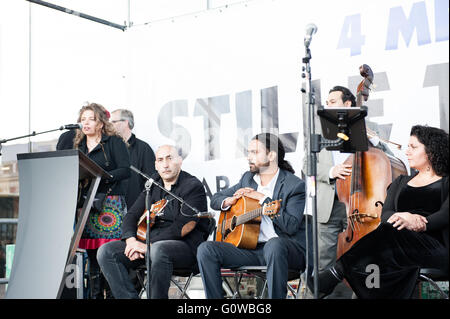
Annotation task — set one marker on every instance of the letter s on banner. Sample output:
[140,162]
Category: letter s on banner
[179,134]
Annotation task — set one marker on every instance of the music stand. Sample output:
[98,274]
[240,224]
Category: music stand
[344,130]
[348,121]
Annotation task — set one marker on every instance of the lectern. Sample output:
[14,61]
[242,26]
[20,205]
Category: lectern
[47,237]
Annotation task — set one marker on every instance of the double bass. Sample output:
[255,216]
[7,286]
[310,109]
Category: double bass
[364,191]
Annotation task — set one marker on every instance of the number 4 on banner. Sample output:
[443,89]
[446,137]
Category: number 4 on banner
[351,36]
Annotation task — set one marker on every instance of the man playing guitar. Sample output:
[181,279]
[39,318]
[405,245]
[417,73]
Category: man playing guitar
[281,243]
[174,236]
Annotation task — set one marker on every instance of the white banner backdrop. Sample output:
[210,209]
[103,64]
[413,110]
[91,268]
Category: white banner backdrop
[210,81]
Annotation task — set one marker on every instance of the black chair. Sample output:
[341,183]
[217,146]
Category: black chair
[188,273]
[432,275]
[258,272]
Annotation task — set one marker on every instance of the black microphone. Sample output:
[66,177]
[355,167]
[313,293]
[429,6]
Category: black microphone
[310,30]
[71,126]
[205,215]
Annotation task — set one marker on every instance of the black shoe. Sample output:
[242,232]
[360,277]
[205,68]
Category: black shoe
[95,285]
[328,280]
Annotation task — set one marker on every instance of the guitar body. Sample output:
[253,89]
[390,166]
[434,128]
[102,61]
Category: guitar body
[141,232]
[155,210]
[244,235]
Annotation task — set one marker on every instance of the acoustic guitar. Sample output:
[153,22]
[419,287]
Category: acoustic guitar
[155,210]
[240,225]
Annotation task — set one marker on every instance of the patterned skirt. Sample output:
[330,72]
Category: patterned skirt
[105,226]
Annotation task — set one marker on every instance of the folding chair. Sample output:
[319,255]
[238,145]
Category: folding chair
[432,275]
[188,273]
[258,272]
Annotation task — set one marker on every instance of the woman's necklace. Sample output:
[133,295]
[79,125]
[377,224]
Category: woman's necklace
[92,142]
[424,178]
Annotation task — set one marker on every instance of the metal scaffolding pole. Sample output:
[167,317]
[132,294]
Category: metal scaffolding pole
[79,14]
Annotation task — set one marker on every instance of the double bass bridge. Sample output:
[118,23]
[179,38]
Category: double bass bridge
[356,218]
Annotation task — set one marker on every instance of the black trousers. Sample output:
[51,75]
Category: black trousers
[165,255]
[386,262]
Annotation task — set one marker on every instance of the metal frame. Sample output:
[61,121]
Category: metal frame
[141,274]
[259,272]
[79,14]
[432,275]
[4,281]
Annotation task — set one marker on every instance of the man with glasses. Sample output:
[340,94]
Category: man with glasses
[141,154]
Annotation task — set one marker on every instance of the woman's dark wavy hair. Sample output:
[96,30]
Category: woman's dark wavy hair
[435,141]
[273,143]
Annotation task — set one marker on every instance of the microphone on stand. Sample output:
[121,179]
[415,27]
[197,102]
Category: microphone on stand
[71,126]
[149,183]
[310,30]
[205,215]
[67,127]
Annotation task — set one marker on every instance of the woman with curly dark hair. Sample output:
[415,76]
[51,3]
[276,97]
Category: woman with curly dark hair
[413,232]
[100,142]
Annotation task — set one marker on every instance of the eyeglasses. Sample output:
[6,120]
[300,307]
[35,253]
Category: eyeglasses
[115,121]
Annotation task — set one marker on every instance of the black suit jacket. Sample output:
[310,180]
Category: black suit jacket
[168,226]
[290,223]
[143,158]
[65,140]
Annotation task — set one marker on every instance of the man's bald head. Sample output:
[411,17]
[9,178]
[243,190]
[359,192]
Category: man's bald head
[168,163]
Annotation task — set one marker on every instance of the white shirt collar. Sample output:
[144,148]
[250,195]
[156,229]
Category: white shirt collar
[270,187]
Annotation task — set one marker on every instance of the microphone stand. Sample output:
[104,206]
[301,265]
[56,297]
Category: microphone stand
[312,166]
[148,185]
[28,135]
[147,237]
[152,182]
[316,143]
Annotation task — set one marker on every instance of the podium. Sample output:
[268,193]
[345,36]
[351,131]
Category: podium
[47,237]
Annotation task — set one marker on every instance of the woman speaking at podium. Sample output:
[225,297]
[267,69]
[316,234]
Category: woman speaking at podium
[99,141]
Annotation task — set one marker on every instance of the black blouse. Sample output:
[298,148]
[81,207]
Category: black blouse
[112,155]
[423,200]
[430,201]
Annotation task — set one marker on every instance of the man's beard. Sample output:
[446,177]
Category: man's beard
[256,169]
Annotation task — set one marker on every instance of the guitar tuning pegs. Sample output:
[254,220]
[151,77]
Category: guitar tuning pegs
[273,216]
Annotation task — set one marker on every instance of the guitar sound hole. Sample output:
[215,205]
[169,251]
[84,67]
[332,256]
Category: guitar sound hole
[233,223]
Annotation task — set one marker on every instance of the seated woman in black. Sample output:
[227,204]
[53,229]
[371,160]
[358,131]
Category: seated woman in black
[413,232]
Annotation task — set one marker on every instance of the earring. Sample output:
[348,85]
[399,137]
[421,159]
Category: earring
[428,168]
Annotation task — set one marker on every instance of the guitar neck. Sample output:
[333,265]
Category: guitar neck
[248,216]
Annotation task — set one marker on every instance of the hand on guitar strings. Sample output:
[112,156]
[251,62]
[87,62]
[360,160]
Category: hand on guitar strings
[249,192]
[245,191]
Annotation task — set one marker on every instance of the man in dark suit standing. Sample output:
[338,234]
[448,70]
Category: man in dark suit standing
[65,140]
[141,154]
[281,241]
